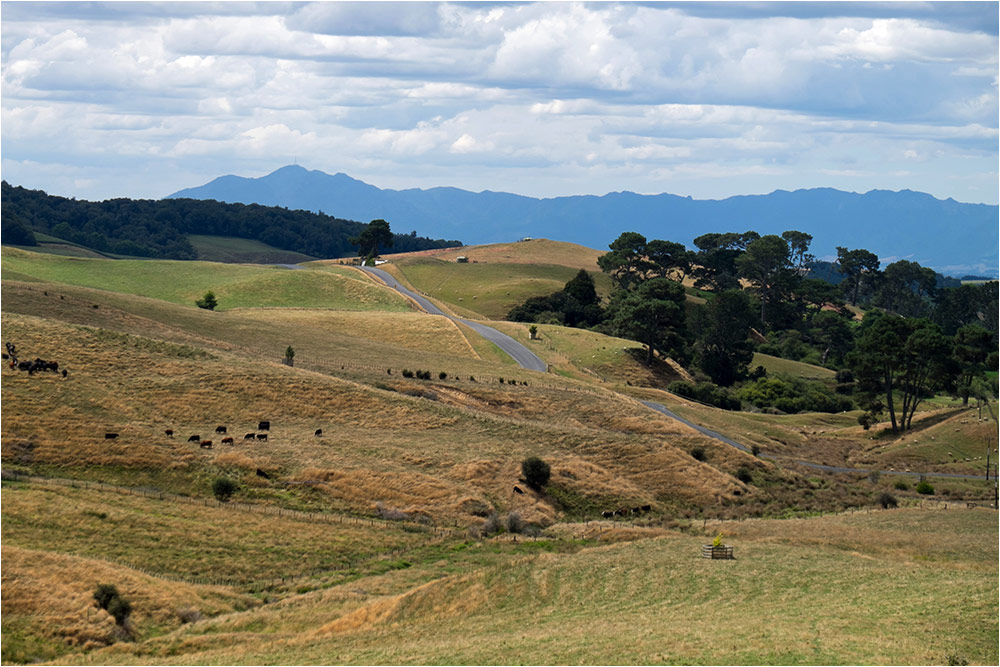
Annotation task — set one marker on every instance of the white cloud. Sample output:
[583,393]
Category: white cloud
[552,98]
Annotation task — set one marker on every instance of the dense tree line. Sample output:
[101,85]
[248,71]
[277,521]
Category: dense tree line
[159,228]
[920,333]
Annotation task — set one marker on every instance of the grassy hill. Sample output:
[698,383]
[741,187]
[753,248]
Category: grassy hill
[304,565]
[250,251]
[497,277]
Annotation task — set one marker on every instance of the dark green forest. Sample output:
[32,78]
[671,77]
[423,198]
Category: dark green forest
[159,228]
[894,336]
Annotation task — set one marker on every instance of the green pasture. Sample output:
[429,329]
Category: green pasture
[232,249]
[490,289]
[183,282]
[791,368]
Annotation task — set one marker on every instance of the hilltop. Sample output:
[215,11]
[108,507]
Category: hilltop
[949,236]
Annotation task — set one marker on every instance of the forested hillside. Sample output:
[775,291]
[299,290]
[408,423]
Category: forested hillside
[920,334]
[159,229]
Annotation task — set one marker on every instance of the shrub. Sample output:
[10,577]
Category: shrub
[743,474]
[533,331]
[887,500]
[442,375]
[207,302]
[120,608]
[755,449]
[223,489]
[698,453]
[514,523]
[110,599]
[104,594]
[407,373]
[925,488]
[900,485]
[491,525]
[536,472]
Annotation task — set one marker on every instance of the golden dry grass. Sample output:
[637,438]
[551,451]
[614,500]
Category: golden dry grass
[536,251]
[50,595]
[786,601]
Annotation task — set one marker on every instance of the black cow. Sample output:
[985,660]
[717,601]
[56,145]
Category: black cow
[607,514]
[194,438]
[220,429]
[227,441]
[262,436]
[64,372]
[261,473]
[249,436]
[169,432]
[264,426]
[517,489]
[206,444]
[647,508]
[319,432]
[110,436]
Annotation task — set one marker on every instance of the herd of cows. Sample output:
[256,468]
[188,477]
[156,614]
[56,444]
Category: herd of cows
[36,366]
[221,430]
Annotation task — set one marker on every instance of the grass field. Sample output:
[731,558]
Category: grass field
[489,289]
[231,249]
[861,589]
[219,583]
[536,251]
[235,286]
[791,368]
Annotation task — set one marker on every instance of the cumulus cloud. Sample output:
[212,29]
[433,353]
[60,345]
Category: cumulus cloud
[545,98]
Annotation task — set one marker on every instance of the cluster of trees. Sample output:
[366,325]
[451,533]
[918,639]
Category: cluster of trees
[159,228]
[920,332]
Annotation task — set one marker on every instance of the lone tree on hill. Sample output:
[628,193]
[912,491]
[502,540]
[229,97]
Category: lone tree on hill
[208,302]
[376,234]
[536,472]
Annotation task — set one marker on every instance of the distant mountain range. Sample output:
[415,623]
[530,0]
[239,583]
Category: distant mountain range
[949,236]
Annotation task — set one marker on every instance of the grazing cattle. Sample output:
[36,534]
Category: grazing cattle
[194,438]
[261,473]
[250,436]
[319,432]
[607,514]
[110,436]
[636,510]
[262,436]
[264,426]
[169,432]
[206,444]
[220,429]
[227,441]
[517,489]
[646,508]
[621,511]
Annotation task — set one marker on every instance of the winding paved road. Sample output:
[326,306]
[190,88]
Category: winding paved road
[524,357]
[527,359]
[659,407]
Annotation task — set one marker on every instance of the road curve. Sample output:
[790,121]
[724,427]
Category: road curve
[527,359]
[659,407]
[524,357]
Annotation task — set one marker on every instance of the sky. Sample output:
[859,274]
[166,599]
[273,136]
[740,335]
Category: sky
[709,100]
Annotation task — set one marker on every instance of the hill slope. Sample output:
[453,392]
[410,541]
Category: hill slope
[945,235]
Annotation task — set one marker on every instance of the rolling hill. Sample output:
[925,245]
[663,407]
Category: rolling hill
[949,236]
[369,542]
